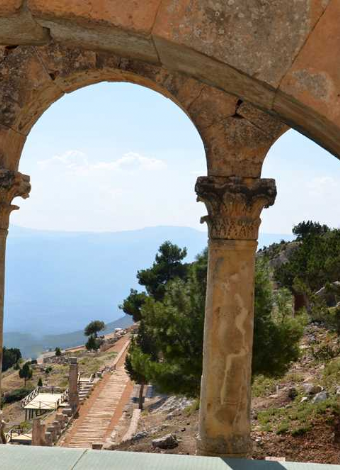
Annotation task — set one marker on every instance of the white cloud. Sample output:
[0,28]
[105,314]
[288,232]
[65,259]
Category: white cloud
[71,159]
[198,172]
[322,185]
[77,162]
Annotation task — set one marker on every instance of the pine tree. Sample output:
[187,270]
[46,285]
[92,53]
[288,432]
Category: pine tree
[26,372]
[169,345]
[93,328]
[168,265]
[92,344]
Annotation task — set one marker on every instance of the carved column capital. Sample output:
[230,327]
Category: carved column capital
[234,205]
[12,184]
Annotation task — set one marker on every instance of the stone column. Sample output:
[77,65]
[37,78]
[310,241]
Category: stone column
[234,206]
[12,184]
[38,433]
[73,396]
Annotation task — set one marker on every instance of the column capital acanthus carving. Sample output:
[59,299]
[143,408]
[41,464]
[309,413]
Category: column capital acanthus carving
[12,184]
[234,205]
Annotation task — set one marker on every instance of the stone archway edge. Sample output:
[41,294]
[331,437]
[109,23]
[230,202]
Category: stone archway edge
[280,57]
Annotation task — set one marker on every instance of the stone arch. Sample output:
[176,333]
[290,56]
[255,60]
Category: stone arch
[274,55]
[236,135]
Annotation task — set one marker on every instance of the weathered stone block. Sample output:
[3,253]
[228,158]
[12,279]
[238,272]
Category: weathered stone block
[26,89]
[11,145]
[97,445]
[52,431]
[10,7]
[69,67]
[17,25]
[133,15]
[48,438]
[61,420]
[216,73]
[122,26]
[67,411]
[314,79]
[259,38]
[57,427]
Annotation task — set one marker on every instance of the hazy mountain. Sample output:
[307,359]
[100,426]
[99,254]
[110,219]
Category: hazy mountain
[56,282]
[32,346]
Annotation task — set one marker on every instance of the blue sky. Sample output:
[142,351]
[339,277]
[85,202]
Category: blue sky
[114,157]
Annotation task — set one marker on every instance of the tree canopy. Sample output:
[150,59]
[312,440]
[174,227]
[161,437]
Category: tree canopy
[26,372]
[304,229]
[314,263]
[92,344]
[94,327]
[10,357]
[169,345]
[168,265]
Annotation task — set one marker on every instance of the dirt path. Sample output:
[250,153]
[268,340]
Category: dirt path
[102,411]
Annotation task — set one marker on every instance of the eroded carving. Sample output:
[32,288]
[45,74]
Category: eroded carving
[12,184]
[234,205]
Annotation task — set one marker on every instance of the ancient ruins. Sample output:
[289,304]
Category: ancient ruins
[244,72]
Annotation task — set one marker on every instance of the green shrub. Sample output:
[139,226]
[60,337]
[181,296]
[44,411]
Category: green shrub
[324,353]
[263,386]
[16,395]
[283,428]
[195,405]
[300,431]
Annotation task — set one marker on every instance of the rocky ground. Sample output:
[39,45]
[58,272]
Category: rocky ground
[296,417]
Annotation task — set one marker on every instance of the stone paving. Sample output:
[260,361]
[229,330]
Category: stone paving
[99,412]
[95,425]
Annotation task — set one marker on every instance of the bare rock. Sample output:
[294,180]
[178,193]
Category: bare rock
[167,442]
[140,435]
[292,393]
[319,397]
[312,389]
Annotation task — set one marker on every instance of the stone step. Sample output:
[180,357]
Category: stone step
[98,419]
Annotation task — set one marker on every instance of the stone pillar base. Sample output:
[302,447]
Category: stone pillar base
[235,448]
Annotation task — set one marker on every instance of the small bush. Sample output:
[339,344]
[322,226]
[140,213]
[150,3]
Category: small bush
[300,431]
[25,426]
[195,405]
[283,428]
[294,377]
[263,386]
[16,395]
[325,353]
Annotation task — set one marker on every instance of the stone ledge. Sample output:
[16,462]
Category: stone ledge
[19,457]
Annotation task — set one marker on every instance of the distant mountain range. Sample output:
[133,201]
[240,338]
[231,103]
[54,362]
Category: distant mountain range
[57,282]
[32,346]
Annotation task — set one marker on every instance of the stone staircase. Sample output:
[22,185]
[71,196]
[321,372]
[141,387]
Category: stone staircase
[85,386]
[94,427]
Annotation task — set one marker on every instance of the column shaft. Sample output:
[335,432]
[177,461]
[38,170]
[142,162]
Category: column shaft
[234,206]
[73,396]
[12,184]
[228,340]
